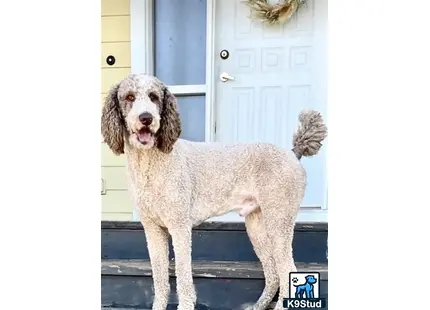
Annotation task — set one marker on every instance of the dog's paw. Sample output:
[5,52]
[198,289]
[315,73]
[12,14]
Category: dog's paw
[186,306]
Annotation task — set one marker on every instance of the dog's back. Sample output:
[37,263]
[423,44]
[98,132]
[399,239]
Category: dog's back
[222,177]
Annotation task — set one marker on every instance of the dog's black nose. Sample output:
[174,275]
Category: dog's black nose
[145,118]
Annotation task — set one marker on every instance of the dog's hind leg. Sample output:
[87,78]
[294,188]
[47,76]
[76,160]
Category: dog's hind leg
[280,230]
[261,243]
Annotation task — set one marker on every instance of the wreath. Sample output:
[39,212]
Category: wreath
[273,13]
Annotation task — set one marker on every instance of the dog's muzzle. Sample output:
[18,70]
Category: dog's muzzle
[144,135]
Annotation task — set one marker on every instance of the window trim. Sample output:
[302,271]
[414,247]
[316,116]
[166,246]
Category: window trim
[210,71]
[141,36]
[142,43]
[184,90]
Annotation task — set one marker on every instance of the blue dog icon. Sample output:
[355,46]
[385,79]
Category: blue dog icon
[307,288]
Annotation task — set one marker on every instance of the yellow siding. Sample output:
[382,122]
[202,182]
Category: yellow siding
[116,178]
[115,201]
[121,52]
[115,28]
[111,76]
[117,216]
[115,19]
[115,7]
[110,159]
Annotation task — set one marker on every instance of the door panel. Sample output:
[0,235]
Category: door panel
[278,71]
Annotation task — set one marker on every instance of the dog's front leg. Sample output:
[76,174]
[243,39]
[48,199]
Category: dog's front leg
[157,241]
[181,239]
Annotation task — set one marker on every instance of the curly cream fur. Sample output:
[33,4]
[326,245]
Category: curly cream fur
[178,184]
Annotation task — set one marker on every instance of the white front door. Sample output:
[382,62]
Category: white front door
[277,71]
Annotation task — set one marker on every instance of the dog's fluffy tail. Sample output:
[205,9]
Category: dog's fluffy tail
[311,132]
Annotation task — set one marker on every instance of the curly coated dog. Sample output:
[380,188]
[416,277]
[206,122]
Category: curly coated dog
[177,184]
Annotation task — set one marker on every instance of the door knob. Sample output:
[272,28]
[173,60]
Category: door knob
[224,77]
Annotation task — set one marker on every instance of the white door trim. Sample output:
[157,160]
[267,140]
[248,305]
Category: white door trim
[210,72]
[141,43]
[188,89]
[141,36]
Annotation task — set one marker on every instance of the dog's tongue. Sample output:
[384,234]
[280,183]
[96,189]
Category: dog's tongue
[144,137]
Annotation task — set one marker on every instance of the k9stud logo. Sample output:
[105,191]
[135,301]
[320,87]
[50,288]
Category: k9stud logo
[304,291]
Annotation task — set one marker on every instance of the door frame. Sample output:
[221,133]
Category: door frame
[142,60]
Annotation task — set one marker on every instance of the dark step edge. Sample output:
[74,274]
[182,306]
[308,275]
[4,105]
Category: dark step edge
[213,226]
[270,307]
[202,269]
[111,308]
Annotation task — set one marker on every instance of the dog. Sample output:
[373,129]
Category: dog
[307,288]
[177,184]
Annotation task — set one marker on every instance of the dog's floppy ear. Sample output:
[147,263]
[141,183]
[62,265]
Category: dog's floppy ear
[113,127]
[170,123]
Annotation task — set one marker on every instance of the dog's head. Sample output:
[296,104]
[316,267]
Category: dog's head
[311,279]
[140,109]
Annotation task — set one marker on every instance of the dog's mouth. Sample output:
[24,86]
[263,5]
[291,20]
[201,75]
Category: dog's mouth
[144,136]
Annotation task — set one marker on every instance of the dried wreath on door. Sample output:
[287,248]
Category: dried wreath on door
[273,13]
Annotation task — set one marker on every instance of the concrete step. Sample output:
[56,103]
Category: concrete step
[220,285]
[212,241]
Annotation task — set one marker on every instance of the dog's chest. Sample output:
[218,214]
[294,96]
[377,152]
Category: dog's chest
[154,194]
[148,190]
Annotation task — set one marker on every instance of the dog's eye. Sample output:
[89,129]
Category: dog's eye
[153,97]
[130,98]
